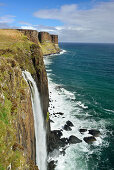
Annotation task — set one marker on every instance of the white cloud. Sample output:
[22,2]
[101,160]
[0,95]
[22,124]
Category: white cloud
[51,30]
[90,25]
[28,27]
[7,19]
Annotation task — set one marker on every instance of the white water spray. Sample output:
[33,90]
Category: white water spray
[41,152]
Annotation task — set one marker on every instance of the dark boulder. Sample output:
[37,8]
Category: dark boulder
[94,132]
[89,139]
[51,165]
[51,121]
[55,141]
[67,128]
[69,123]
[64,140]
[58,133]
[59,113]
[73,140]
[82,130]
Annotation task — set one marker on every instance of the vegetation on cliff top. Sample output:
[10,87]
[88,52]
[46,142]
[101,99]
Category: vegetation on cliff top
[49,48]
[12,87]
[15,56]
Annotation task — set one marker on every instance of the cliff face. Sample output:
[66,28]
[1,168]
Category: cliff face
[49,43]
[17,141]
[22,50]
[40,74]
[31,34]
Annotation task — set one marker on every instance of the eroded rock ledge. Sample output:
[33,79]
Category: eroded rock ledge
[48,42]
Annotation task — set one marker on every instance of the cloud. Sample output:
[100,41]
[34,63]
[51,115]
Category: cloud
[7,19]
[90,25]
[49,29]
[59,14]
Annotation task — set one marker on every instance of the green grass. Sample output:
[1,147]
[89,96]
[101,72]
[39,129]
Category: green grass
[16,54]
[48,48]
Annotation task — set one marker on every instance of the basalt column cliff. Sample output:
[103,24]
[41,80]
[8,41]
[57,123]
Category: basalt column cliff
[49,43]
[21,50]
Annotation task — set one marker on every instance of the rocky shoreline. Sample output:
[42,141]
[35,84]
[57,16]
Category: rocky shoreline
[56,140]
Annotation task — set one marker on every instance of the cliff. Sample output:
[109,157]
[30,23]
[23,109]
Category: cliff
[49,43]
[20,50]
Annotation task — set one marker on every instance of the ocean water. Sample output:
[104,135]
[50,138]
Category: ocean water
[81,85]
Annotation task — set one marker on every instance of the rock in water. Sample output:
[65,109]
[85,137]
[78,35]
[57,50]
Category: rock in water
[82,130]
[59,113]
[74,140]
[94,132]
[64,140]
[89,139]
[67,128]
[69,123]
[51,165]
[58,133]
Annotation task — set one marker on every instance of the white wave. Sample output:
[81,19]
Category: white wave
[61,102]
[60,53]
[67,93]
[82,105]
[63,51]
[109,110]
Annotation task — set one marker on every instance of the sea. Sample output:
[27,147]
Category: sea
[81,85]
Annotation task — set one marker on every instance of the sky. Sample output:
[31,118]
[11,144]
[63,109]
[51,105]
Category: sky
[73,20]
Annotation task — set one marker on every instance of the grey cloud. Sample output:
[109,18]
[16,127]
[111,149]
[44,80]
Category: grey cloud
[92,25]
[49,29]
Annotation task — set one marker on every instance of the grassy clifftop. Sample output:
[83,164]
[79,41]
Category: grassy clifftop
[15,45]
[17,137]
[49,48]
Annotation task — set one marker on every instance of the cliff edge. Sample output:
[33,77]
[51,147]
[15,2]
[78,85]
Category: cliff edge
[20,50]
[49,43]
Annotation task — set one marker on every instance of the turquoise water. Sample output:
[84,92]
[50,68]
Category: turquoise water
[86,72]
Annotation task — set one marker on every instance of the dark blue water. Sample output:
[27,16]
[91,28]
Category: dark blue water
[87,71]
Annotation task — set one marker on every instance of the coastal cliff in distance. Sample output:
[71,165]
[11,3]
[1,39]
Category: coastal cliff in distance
[49,43]
[21,50]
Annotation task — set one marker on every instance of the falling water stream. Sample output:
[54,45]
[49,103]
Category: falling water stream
[41,153]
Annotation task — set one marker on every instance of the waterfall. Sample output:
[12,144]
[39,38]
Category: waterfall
[40,133]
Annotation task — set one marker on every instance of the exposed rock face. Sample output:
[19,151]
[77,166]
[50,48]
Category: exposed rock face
[54,39]
[49,43]
[21,50]
[44,37]
[17,54]
[31,34]
[21,124]
[40,74]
